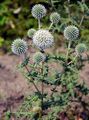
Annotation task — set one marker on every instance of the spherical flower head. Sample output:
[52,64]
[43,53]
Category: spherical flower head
[80,48]
[31,32]
[39,57]
[38,11]
[19,46]
[55,18]
[71,33]
[43,39]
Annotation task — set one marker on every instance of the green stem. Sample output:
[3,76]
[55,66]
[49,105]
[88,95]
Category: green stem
[69,44]
[69,13]
[50,26]
[25,55]
[36,87]
[42,85]
[42,93]
[82,19]
[39,24]
[32,81]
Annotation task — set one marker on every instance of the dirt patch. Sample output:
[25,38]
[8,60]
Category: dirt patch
[84,74]
[11,82]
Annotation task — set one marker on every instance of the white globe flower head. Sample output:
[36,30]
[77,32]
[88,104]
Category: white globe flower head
[38,11]
[39,57]
[43,39]
[55,18]
[80,48]
[19,47]
[31,32]
[71,33]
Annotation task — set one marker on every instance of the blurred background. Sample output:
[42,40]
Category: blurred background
[16,18]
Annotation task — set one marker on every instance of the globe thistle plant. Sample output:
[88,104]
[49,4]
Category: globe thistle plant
[55,70]
[19,46]
[71,33]
[38,11]
[31,32]
[55,18]
[80,48]
[39,57]
[43,39]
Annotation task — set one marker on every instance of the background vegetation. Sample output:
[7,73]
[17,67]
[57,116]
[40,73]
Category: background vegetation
[16,19]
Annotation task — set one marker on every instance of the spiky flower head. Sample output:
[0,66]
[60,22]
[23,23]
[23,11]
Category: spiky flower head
[55,18]
[39,57]
[31,32]
[71,32]
[19,46]
[38,11]
[80,48]
[43,39]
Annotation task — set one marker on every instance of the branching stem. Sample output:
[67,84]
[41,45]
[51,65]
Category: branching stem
[32,81]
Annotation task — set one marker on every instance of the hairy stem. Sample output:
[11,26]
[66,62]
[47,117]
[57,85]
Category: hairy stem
[42,92]
[50,26]
[82,19]
[32,80]
[25,55]
[69,13]
[42,85]
[69,44]
[39,24]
